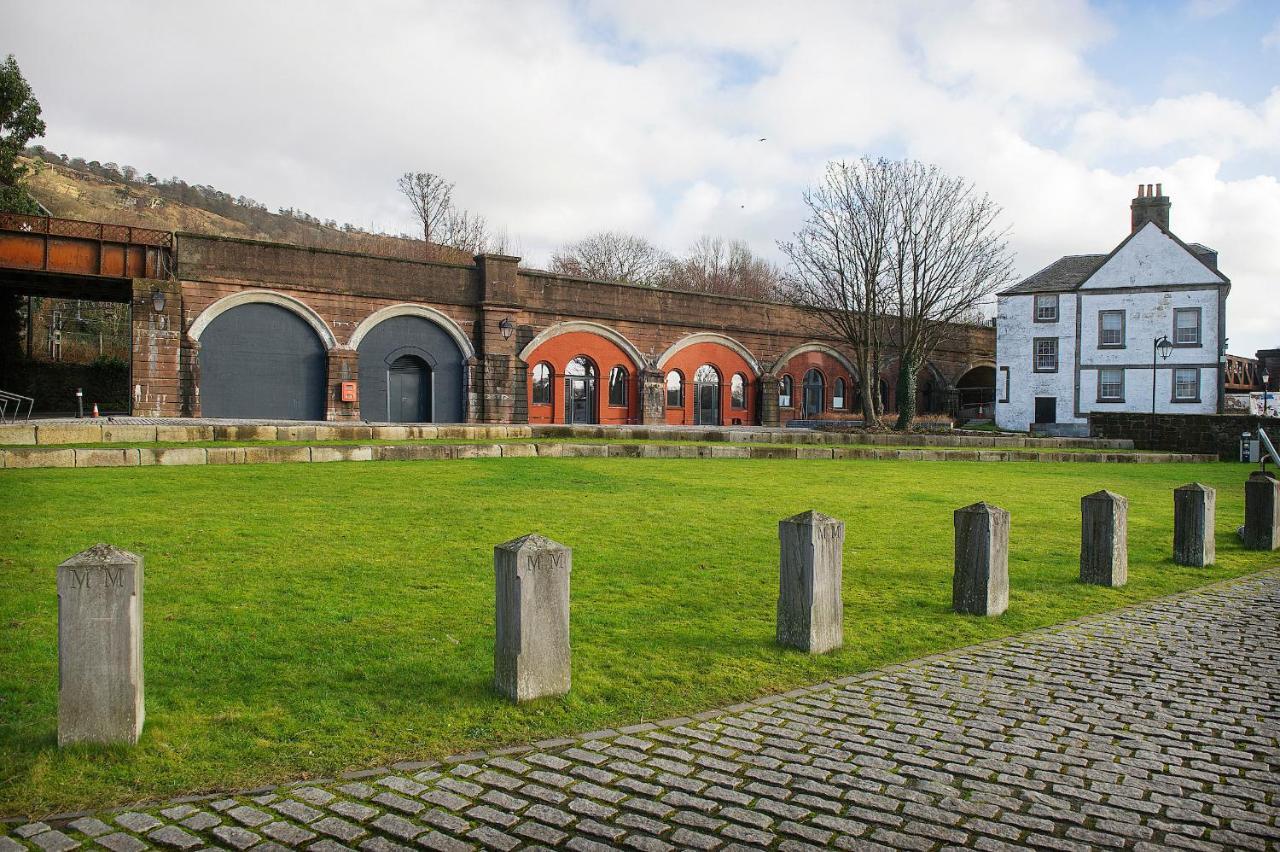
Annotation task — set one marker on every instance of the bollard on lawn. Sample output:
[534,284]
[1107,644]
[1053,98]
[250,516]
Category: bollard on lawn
[980,585]
[531,656]
[1104,539]
[1262,511]
[810,611]
[100,647]
[1193,520]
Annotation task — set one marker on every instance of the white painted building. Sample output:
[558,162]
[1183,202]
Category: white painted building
[1081,334]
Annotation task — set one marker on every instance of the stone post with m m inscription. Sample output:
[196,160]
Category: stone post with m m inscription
[100,647]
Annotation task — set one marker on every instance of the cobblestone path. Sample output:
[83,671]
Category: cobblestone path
[1154,727]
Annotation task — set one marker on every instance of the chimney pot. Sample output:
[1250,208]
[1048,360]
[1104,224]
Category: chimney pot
[1159,189]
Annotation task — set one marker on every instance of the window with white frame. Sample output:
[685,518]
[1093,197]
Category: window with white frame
[1111,329]
[1111,385]
[1046,355]
[1047,307]
[1186,326]
[1186,384]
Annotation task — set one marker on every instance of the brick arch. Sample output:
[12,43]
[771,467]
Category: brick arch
[727,360]
[270,297]
[576,327]
[827,361]
[692,340]
[604,350]
[413,310]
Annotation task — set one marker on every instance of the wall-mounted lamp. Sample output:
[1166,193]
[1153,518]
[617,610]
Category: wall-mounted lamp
[507,327]
[157,300]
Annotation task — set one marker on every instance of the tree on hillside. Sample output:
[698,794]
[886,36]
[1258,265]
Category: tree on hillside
[613,256]
[896,252]
[725,267]
[19,123]
[839,259]
[431,198]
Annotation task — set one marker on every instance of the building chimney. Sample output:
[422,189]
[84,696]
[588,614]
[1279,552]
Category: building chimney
[1150,205]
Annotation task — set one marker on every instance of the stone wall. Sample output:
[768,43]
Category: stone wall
[1217,434]
[340,290]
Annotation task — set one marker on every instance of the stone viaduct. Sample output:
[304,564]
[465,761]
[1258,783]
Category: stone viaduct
[227,327]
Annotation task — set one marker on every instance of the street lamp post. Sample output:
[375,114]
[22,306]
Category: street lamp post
[1162,347]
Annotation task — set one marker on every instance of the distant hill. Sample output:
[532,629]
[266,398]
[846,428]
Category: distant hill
[105,192]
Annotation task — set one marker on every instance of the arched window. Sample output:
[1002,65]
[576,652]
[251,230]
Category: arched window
[814,393]
[837,395]
[784,392]
[618,386]
[580,366]
[675,389]
[738,391]
[707,375]
[542,384]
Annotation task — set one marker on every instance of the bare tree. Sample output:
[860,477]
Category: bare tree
[728,267]
[839,260]
[948,256]
[613,256]
[431,198]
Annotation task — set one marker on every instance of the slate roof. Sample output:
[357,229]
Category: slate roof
[1066,273]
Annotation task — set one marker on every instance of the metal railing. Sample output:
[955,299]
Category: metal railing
[79,229]
[16,400]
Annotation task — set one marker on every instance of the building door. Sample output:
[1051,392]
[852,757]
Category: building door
[262,361]
[706,396]
[1046,409]
[814,394]
[409,390]
[580,390]
[579,395]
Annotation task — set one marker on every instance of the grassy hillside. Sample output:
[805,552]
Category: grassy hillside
[93,194]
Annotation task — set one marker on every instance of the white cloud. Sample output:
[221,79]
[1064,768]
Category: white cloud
[556,119]
[1272,38]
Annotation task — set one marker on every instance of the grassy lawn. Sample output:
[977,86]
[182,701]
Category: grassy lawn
[304,619]
[378,442]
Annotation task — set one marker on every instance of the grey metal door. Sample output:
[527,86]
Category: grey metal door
[409,391]
[262,360]
[579,399]
[1046,409]
[707,410]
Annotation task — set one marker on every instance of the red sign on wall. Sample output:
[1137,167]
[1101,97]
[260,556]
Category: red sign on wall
[349,392]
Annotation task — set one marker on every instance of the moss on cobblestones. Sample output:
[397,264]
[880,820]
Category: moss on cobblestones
[305,619]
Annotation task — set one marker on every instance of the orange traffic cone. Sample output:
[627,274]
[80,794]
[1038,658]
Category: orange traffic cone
[95,409]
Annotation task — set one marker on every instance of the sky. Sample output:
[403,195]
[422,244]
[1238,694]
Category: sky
[558,119]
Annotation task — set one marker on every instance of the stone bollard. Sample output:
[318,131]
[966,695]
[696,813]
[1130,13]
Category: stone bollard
[100,647]
[531,657]
[1104,539]
[1193,510]
[980,585]
[1262,511]
[810,611]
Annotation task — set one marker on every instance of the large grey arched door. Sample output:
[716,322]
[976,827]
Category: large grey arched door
[263,361]
[439,380]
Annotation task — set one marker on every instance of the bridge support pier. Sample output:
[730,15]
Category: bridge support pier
[156,386]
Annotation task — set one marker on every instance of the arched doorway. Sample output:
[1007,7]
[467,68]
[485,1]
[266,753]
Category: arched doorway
[262,360]
[814,394]
[976,393]
[408,390]
[706,389]
[580,390]
[411,370]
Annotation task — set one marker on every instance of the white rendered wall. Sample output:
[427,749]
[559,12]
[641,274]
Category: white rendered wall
[1151,258]
[1016,331]
[1148,315]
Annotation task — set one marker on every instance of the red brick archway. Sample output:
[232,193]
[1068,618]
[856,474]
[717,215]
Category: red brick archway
[556,352]
[832,369]
[728,363]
